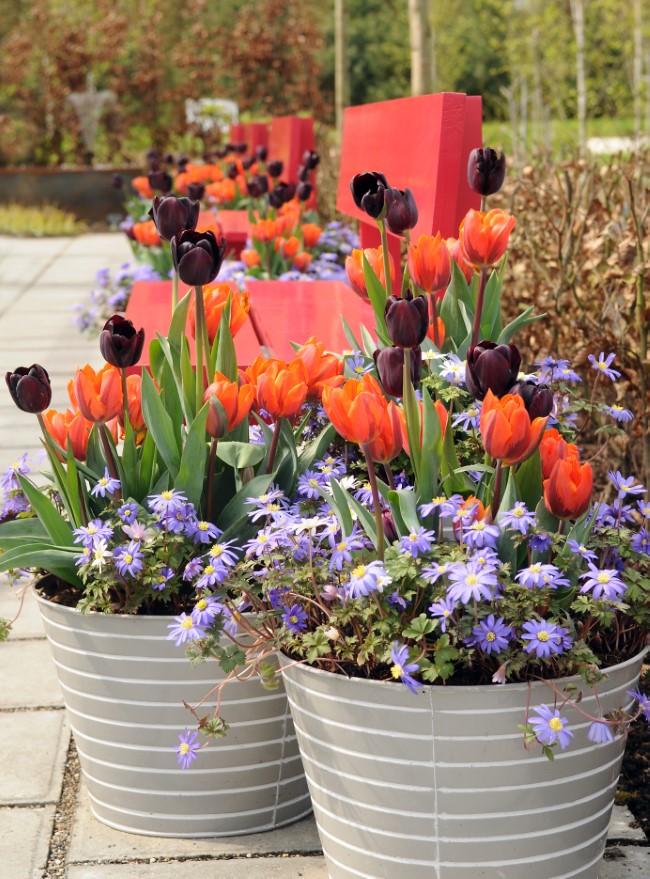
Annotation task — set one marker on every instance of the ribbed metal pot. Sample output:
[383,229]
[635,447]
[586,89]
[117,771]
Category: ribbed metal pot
[124,685]
[439,785]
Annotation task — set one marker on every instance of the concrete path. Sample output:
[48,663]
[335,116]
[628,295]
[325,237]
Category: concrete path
[46,828]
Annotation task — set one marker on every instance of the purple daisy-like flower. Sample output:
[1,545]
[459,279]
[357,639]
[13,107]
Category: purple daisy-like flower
[540,576]
[187,748]
[603,582]
[205,610]
[581,550]
[202,532]
[364,494]
[402,669]
[550,727]
[625,486]
[643,700]
[471,583]
[445,506]
[194,568]
[469,419]
[491,635]
[519,518]
[434,572]
[357,364]
[641,541]
[540,542]
[94,530]
[295,618]
[644,508]
[599,732]
[184,629]
[332,466]
[128,513]
[543,638]
[481,534]
[343,549]
[366,579]
[442,610]
[310,483]
[417,542]
[128,559]
[603,364]
[618,413]
[162,579]
[106,485]
[9,479]
[166,503]
[453,370]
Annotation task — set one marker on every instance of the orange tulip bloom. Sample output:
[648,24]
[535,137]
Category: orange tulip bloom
[146,233]
[266,230]
[322,369]
[442,415]
[441,332]
[281,388]
[484,237]
[358,409]
[302,261]
[141,186]
[236,401]
[136,418]
[69,424]
[567,491]
[388,442]
[310,234]
[354,268]
[289,246]
[429,264]
[98,394]
[215,299]
[553,448]
[453,246]
[251,258]
[207,223]
[506,428]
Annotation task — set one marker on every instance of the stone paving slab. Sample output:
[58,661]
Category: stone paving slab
[29,624]
[33,749]
[258,868]
[30,246]
[25,841]
[70,269]
[21,271]
[30,676]
[624,826]
[625,862]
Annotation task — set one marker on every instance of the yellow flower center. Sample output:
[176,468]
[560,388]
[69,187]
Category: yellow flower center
[208,569]
[313,483]
[263,538]
[478,526]
[446,613]
[535,568]
[555,724]
[471,579]
[128,558]
[202,604]
[603,577]
[543,635]
[359,571]
[293,619]
[397,671]
[103,481]
[413,537]
[187,623]
[490,636]
[203,526]
[183,748]
[517,512]
[341,546]
[167,495]
[216,551]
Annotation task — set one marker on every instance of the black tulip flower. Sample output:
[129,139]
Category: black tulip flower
[153,159]
[181,164]
[310,159]
[486,171]
[161,181]
[229,147]
[491,367]
[247,162]
[281,194]
[538,399]
[207,156]
[258,186]
[222,153]
[390,531]
[390,368]
[368,190]
[303,173]
[173,215]
[233,171]
[261,153]
[197,257]
[240,147]
[30,388]
[169,159]
[401,210]
[407,320]
[117,181]
[304,191]
[120,343]
[195,192]
[274,169]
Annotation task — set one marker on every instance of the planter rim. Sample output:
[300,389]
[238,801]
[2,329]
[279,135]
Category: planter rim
[96,614]
[457,688]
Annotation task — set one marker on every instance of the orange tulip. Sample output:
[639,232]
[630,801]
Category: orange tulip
[215,299]
[553,448]
[310,234]
[453,246]
[429,264]
[289,246]
[388,442]
[506,428]
[146,234]
[235,399]
[322,369]
[98,394]
[302,261]
[442,415]
[136,418]
[484,237]
[141,186]
[567,491]
[281,388]
[266,230]
[358,409]
[354,268]
[207,223]
[441,332]
[72,425]
[251,258]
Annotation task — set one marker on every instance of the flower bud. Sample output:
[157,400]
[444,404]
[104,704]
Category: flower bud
[120,344]
[197,257]
[233,171]
[181,164]
[401,210]
[304,191]
[153,158]
[195,191]
[240,147]
[310,159]
[303,174]
[407,320]
[30,388]
[491,367]
[258,186]
[538,399]
[247,162]
[261,153]
[161,181]
[368,190]
[390,531]
[173,215]
[274,169]
[486,171]
[390,368]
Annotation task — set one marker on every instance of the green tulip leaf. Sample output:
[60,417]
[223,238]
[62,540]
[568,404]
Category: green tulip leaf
[191,473]
[160,425]
[240,455]
[54,523]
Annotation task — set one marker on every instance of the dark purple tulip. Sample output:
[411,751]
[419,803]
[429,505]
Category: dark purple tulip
[401,210]
[310,159]
[173,215]
[304,191]
[181,164]
[538,399]
[195,191]
[197,257]
[390,531]
[222,153]
[281,194]
[407,320]
[258,186]
[247,162]
[233,171]
[261,152]
[486,171]
[491,367]
[303,174]
[161,181]
[30,388]
[368,189]
[274,169]
[117,181]
[240,147]
[120,343]
[230,147]
[153,157]
[169,159]
[390,369]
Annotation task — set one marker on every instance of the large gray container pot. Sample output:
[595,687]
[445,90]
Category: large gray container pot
[439,785]
[124,685]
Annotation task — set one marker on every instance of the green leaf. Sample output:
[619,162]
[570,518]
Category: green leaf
[226,357]
[366,518]
[240,455]
[377,296]
[458,291]
[453,477]
[369,344]
[523,320]
[18,532]
[146,467]
[315,450]
[339,503]
[191,473]
[179,321]
[349,335]
[491,324]
[529,480]
[54,523]
[419,628]
[431,450]
[408,508]
[56,560]
[505,544]
[237,508]
[160,425]
[412,416]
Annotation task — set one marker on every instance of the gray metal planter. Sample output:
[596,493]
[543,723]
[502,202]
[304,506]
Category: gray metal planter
[124,685]
[439,786]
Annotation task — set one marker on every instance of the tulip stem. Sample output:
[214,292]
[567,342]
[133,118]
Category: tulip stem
[496,494]
[434,320]
[200,343]
[125,398]
[212,461]
[389,477]
[110,461]
[274,445]
[379,522]
[174,290]
[476,329]
[386,256]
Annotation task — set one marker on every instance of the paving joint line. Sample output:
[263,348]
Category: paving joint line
[57,855]
[183,859]
[33,708]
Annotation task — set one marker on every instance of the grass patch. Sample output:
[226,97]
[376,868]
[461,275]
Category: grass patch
[38,222]
[561,135]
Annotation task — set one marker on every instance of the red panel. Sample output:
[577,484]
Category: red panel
[235,228]
[237,133]
[256,134]
[290,137]
[149,306]
[293,311]
[429,153]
